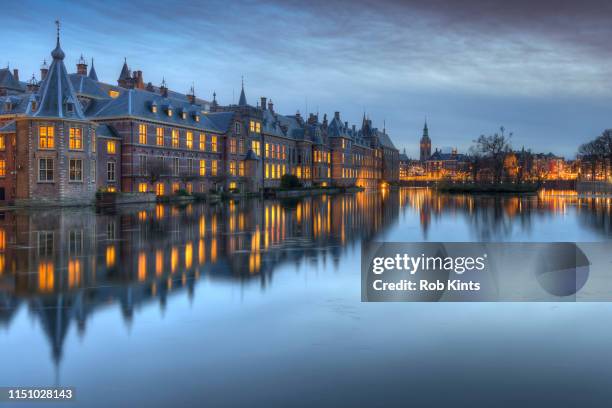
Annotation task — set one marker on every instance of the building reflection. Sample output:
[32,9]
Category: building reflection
[66,264]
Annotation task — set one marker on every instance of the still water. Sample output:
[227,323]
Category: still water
[258,303]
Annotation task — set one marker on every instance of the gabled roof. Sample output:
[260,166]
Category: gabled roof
[8,81]
[56,91]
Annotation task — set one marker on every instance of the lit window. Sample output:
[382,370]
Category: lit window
[111,189]
[184,115]
[76,170]
[267,150]
[75,139]
[160,136]
[202,167]
[45,170]
[252,126]
[189,140]
[46,137]
[142,134]
[169,111]
[113,94]
[2,167]
[233,168]
[175,138]
[202,141]
[241,169]
[267,170]
[255,145]
[213,170]
[111,147]
[232,145]
[197,118]
[213,143]
[110,171]
[175,187]
[232,185]
[159,189]
[2,142]
[154,108]
[142,188]
[93,140]
[257,127]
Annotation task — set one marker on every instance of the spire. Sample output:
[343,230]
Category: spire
[57,96]
[92,71]
[125,71]
[425,130]
[57,53]
[242,101]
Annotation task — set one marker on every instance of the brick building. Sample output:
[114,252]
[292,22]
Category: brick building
[66,136]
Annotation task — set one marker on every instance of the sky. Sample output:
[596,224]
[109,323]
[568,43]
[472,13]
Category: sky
[539,68]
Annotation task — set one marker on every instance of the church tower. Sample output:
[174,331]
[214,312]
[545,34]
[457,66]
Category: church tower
[425,145]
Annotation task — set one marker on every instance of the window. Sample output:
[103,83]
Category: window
[190,166]
[2,142]
[175,187]
[93,171]
[267,170]
[233,168]
[142,187]
[142,163]
[241,169]
[159,132]
[175,166]
[46,137]
[154,108]
[232,185]
[113,94]
[2,168]
[202,167]
[213,143]
[256,145]
[111,147]
[232,146]
[184,115]
[284,170]
[267,150]
[255,126]
[110,171]
[175,138]
[237,128]
[142,134]
[75,139]
[202,141]
[240,146]
[76,170]
[213,170]
[284,152]
[159,189]
[93,140]
[189,140]
[45,170]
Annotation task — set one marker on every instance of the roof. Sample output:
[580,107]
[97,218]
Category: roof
[92,72]
[125,71]
[438,155]
[138,103]
[8,81]
[57,96]
[106,131]
[384,139]
[86,86]
[9,127]
[242,101]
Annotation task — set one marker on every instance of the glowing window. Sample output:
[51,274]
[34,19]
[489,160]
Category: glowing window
[142,187]
[202,141]
[175,138]
[111,147]
[189,140]
[46,137]
[213,170]
[160,136]
[213,143]
[113,94]
[2,142]
[2,167]
[202,167]
[142,134]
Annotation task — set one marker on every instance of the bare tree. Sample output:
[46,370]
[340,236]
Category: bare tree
[156,169]
[494,147]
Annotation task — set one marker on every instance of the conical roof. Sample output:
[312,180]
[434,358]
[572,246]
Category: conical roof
[92,71]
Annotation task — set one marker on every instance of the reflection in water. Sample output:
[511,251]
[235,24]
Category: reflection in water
[66,264]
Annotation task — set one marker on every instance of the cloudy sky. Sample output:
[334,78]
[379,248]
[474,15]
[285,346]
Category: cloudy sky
[540,68]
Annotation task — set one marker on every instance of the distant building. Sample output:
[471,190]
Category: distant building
[425,145]
[447,165]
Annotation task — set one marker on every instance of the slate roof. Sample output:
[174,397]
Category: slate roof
[138,103]
[106,131]
[439,156]
[384,139]
[242,101]
[56,91]
[9,127]
[92,72]
[8,81]
[85,86]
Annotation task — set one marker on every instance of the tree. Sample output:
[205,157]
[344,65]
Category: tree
[494,147]
[597,151]
[156,169]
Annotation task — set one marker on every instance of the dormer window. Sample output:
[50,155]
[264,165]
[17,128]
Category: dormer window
[154,107]
[184,115]
[34,106]
[69,107]
[196,117]
[169,110]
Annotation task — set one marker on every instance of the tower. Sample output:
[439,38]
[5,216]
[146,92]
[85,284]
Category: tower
[425,145]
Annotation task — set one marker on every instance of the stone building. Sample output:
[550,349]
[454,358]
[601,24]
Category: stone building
[66,136]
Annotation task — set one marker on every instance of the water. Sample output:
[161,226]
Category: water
[258,303]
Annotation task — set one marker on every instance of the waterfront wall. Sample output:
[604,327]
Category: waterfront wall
[597,187]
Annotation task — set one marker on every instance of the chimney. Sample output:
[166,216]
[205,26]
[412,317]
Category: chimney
[44,70]
[354,129]
[191,95]
[346,125]
[337,115]
[16,74]
[263,103]
[271,106]
[82,66]
[325,119]
[138,79]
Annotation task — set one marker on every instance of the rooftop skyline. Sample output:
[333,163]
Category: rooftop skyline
[540,71]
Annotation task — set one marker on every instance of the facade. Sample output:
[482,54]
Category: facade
[66,136]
